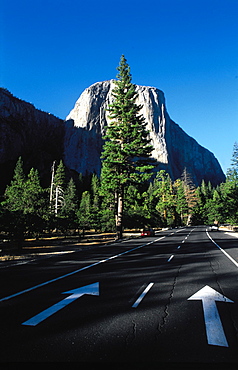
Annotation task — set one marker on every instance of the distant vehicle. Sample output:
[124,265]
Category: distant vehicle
[214,228]
[148,232]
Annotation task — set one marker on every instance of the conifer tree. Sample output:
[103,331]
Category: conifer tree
[165,197]
[84,211]
[126,152]
[33,197]
[181,202]
[25,203]
[229,190]
[59,179]
[69,207]
[190,193]
[95,207]
[14,192]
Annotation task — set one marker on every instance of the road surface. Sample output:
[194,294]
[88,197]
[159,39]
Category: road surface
[171,298]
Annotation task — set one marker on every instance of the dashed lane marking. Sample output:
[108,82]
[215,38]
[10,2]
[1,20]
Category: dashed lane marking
[170,258]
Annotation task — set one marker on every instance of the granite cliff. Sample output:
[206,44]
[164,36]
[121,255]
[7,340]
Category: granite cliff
[40,138]
[173,148]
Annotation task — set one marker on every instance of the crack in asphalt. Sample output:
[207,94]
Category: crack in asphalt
[166,308]
[131,336]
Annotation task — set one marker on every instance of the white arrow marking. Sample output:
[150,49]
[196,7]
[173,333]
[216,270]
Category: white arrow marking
[92,289]
[214,329]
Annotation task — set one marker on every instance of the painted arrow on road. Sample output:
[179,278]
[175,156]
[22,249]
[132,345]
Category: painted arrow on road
[92,289]
[214,329]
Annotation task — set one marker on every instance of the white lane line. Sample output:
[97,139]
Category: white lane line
[222,250]
[170,258]
[76,271]
[179,247]
[138,301]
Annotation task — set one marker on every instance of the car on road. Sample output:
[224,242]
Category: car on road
[214,228]
[148,232]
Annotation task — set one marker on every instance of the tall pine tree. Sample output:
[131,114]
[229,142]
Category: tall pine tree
[127,149]
[14,192]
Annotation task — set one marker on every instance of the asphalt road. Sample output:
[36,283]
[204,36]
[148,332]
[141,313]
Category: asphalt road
[128,301]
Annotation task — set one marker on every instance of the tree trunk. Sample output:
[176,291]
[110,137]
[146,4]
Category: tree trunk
[119,214]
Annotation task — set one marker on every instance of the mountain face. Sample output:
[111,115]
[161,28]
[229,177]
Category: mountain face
[28,132]
[40,138]
[173,148]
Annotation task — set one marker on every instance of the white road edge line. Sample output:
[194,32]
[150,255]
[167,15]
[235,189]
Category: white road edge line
[222,250]
[76,271]
[138,301]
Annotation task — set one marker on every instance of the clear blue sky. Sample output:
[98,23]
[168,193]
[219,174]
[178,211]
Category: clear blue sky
[51,50]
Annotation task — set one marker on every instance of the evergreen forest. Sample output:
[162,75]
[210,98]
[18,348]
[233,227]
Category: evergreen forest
[72,207]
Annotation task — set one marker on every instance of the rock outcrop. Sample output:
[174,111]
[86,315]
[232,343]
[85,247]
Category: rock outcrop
[40,138]
[28,132]
[173,148]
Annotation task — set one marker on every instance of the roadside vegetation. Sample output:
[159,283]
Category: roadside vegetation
[26,210]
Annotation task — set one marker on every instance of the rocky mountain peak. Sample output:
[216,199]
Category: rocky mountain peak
[173,148]
[40,138]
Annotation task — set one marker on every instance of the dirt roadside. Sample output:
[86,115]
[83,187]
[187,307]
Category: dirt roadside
[43,247]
